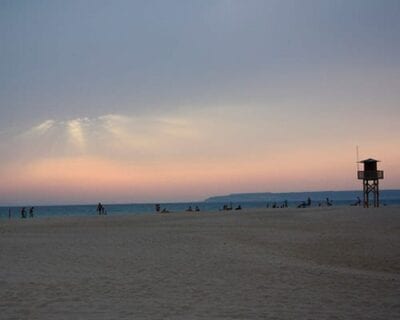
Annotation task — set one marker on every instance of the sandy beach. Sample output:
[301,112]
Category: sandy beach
[322,263]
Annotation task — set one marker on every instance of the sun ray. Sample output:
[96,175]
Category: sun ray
[76,133]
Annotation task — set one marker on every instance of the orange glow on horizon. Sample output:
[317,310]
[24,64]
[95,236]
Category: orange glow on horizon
[105,159]
[93,178]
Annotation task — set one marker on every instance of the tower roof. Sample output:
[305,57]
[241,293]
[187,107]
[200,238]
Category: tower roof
[369,160]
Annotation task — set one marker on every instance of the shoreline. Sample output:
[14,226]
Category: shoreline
[92,213]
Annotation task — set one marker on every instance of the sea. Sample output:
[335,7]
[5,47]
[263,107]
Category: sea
[14,212]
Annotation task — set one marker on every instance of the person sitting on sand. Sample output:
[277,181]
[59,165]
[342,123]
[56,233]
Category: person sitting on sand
[239,207]
[164,210]
[328,202]
[197,209]
[302,205]
[189,209]
[358,202]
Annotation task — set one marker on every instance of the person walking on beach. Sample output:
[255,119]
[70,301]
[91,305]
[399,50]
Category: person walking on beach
[23,213]
[31,212]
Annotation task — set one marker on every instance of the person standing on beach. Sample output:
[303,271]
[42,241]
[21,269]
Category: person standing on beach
[99,209]
[23,213]
[9,213]
[31,212]
[285,204]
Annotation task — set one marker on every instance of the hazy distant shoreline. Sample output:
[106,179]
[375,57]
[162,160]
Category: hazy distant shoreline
[342,195]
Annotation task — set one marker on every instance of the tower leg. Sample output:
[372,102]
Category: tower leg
[377,193]
[365,199]
[371,186]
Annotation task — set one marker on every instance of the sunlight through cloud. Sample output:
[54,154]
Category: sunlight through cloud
[41,128]
[76,132]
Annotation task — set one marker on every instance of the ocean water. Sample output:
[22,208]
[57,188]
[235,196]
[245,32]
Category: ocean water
[149,208]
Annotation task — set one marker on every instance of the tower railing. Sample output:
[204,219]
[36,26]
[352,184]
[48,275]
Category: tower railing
[370,175]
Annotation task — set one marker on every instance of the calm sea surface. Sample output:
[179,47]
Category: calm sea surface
[149,208]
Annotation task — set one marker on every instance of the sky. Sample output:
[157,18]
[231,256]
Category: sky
[159,101]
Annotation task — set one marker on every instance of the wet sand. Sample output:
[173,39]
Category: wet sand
[322,263]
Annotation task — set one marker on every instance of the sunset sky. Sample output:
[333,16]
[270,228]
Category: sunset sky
[151,101]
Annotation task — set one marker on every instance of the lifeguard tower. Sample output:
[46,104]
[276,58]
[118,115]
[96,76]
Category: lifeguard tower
[370,177]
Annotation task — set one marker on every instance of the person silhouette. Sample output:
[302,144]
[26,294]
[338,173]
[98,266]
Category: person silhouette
[31,212]
[99,208]
[23,213]
[328,202]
